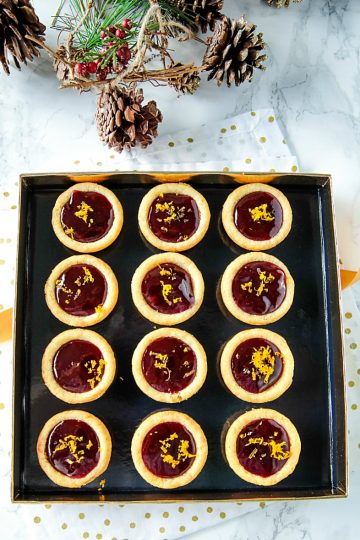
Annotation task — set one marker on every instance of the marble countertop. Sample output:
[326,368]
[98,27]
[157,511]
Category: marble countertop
[312,83]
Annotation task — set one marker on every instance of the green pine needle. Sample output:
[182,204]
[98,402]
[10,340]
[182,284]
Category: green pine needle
[107,13]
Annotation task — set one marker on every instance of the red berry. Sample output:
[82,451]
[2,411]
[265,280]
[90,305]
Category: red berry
[124,54]
[92,67]
[101,74]
[126,24]
[112,29]
[127,54]
[120,33]
[81,68]
[103,34]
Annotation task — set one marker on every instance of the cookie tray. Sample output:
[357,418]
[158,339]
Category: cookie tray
[315,401]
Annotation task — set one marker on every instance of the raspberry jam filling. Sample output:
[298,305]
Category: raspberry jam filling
[169,365]
[167,288]
[263,447]
[173,218]
[168,450]
[258,216]
[87,216]
[73,448]
[78,366]
[81,290]
[256,365]
[259,287]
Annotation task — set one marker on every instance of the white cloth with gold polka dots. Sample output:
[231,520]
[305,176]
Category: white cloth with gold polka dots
[252,141]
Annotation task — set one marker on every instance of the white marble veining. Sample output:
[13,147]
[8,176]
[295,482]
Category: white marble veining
[312,82]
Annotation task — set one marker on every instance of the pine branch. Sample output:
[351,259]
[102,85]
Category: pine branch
[107,13]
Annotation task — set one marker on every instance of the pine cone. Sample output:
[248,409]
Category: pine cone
[282,3]
[201,14]
[186,83]
[18,19]
[62,69]
[122,121]
[233,51]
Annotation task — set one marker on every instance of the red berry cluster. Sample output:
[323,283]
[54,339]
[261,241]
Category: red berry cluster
[114,42]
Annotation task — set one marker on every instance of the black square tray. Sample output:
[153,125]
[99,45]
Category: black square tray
[312,327]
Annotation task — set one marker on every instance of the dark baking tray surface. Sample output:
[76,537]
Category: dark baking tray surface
[312,327]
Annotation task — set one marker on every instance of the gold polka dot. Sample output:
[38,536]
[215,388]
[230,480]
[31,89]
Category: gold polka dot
[132,525]
[8,240]
[272,170]
[351,384]
[47,506]
[222,515]
[294,168]
[81,515]
[114,538]
[171,144]
[248,160]
[209,510]
[162,529]
[271,119]
[165,514]
[64,526]
[195,518]
[348,315]
[354,406]
[85,535]
[13,207]
[233,127]
[190,140]
[226,169]
[2,240]
[182,528]
[112,156]
[359,445]
[76,162]
[347,330]
[262,504]
[223,130]
[253,113]
[1,307]
[353,346]
[181,509]
[148,515]
[284,142]
[2,261]
[263,139]
[2,406]
[98,536]
[99,163]
[6,193]
[358,371]
[107,522]
[37,519]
